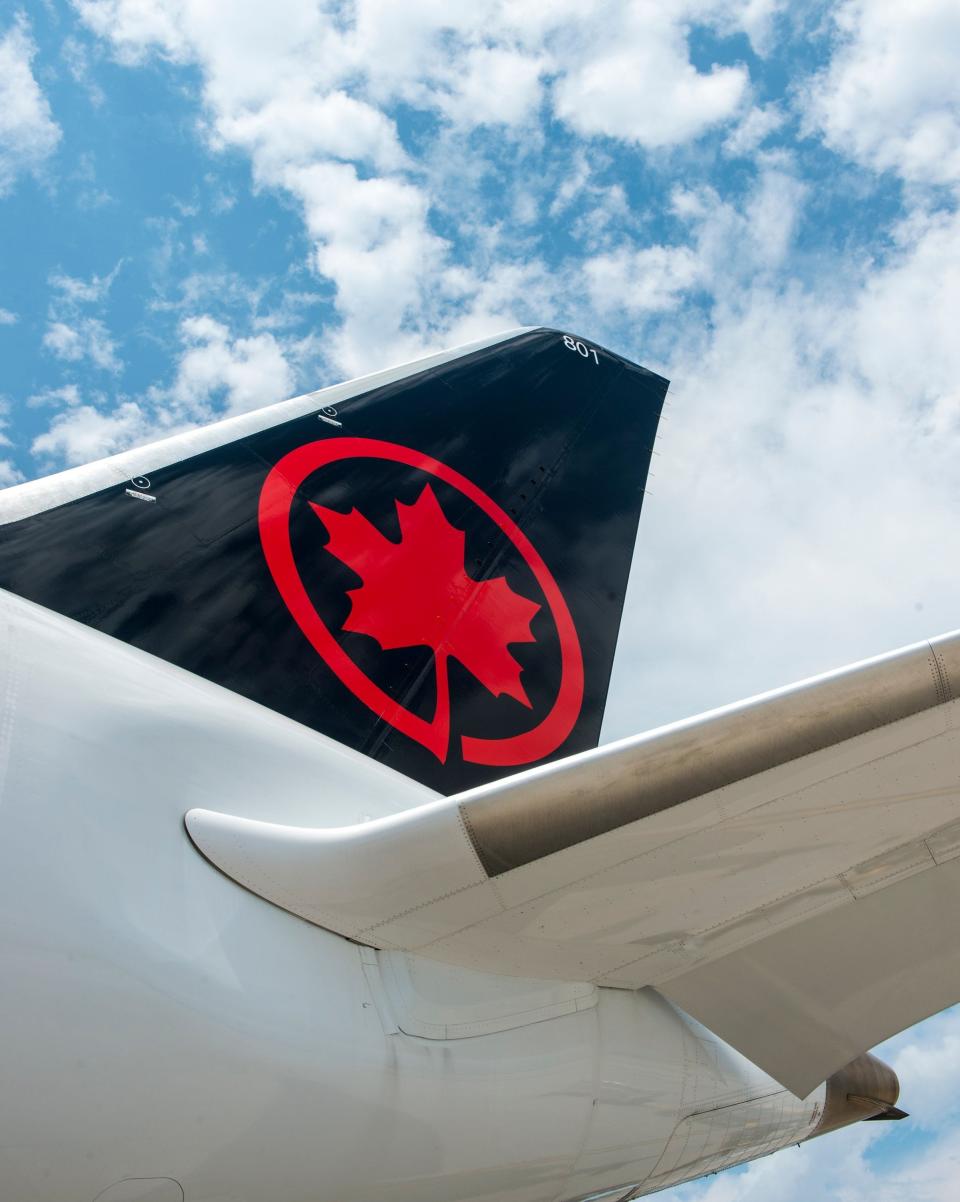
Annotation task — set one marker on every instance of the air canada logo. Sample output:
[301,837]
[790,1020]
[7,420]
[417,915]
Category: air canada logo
[417,592]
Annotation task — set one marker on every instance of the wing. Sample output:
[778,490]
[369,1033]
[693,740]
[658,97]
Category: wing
[786,869]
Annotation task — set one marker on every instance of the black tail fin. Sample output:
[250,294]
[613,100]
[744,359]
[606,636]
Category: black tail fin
[430,570]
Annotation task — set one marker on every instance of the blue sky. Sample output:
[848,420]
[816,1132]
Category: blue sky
[207,206]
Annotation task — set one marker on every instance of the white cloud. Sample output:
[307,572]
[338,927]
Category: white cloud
[494,85]
[28,133]
[299,125]
[890,98]
[9,473]
[734,242]
[756,18]
[603,206]
[245,372]
[217,374]
[806,472]
[406,50]
[72,335]
[137,26]
[836,1166]
[83,433]
[63,341]
[373,240]
[500,300]
[304,95]
[640,86]
[76,55]
[87,338]
[637,281]
[74,291]
[757,125]
[7,318]
[66,394]
[927,1061]
[905,323]
[728,245]
[84,186]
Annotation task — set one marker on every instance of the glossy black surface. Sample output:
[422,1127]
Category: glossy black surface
[559,441]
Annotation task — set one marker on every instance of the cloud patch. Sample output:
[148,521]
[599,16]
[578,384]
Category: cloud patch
[240,373]
[216,374]
[28,132]
[73,334]
[890,97]
[318,103]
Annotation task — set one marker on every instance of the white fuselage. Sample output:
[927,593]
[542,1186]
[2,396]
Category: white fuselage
[160,1022]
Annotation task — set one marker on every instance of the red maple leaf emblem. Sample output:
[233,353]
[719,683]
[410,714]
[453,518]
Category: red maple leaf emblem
[416,593]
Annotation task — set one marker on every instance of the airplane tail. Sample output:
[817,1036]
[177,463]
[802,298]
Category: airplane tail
[427,565]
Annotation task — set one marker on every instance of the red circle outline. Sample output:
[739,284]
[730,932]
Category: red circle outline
[276,498]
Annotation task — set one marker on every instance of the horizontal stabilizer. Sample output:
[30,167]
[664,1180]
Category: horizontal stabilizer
[786,869]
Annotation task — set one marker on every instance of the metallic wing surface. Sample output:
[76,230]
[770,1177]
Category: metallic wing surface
[786,869]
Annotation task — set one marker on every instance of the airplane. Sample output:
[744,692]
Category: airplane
[317,886]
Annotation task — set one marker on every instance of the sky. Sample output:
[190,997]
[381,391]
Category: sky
[206,206]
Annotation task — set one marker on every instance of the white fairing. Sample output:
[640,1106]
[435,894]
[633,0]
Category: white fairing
[168,1034]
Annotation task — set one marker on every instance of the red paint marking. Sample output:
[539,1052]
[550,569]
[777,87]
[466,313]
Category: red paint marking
[276,498]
